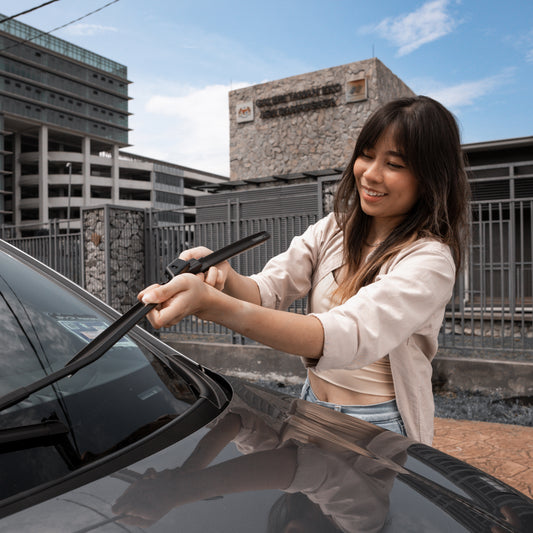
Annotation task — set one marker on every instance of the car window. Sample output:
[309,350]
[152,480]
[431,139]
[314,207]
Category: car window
[61,322]
[18,356]
[110,404]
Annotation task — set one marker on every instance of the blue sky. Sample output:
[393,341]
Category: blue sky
[183,57]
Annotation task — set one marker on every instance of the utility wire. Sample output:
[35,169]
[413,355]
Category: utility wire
[27,11]
[59,27]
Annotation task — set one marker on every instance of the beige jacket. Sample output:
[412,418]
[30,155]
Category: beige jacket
[400,314]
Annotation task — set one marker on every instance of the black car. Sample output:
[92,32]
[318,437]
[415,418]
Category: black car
[145,439]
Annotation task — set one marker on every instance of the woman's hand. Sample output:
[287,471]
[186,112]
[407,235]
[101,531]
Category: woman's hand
[183,295]
[147,500]
[217,275]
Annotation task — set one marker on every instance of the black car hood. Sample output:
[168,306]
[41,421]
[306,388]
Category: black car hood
[271,462]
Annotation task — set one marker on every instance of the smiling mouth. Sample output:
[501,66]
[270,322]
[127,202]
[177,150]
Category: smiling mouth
[374,194]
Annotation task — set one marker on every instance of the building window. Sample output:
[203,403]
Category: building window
[134,194]
[29,191]
[100,192]
[101,171]
[29,214]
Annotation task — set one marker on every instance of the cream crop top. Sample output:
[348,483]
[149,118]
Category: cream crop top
[374,379]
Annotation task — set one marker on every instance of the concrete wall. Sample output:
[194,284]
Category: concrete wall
[509,378]
[306,122]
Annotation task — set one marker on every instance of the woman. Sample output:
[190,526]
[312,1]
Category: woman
[378,271]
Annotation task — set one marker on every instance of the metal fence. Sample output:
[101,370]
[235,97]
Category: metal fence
[166,243]
[62,252]
[492,305]
[491,309]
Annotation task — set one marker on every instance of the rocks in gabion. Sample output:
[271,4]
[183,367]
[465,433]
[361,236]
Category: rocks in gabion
[114,254]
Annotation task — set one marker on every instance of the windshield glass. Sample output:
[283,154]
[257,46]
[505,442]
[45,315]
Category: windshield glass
[56,323]
[125,395]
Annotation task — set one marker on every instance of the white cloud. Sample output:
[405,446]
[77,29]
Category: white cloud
[527,42]
[88,29]
[186,126]
[410,31]
[462,94]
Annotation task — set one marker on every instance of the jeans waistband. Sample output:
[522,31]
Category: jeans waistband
[373,409]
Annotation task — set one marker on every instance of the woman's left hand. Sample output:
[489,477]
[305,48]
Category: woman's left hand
[182,296]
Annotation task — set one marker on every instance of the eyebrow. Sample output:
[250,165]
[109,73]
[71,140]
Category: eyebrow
[396,154]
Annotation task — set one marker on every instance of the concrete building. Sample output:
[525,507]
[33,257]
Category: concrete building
[308,122]
[63,122]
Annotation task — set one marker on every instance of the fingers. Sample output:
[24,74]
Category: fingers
[215,277]
[166,317]
[180,297]
[144,291]
[159,293]
[195,253]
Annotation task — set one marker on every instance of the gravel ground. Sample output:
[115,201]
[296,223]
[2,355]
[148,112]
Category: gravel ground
[462,405]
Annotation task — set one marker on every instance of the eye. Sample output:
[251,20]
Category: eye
[396,166]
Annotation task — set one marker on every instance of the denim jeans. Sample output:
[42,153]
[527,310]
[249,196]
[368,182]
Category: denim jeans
[385,415]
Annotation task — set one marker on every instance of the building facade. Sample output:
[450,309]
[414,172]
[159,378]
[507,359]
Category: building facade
[308,122]
[63,122]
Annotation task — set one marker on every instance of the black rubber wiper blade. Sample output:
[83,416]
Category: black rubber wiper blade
[105,340]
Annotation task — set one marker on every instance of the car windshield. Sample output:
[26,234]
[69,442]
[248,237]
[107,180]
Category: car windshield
[122,397]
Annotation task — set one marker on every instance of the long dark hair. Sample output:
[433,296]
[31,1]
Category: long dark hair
[428,135]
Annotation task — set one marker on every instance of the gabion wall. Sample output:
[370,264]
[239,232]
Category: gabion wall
[113,248]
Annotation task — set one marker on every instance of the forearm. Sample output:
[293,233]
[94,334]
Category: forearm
[213,442]
[270,469]
[288,332]
[187,295]
[242,288]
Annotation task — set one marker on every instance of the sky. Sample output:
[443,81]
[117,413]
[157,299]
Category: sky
[184,56]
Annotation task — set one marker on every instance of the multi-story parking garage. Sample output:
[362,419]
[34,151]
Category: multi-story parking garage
[63,122]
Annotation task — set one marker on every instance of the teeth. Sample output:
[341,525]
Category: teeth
[372,193]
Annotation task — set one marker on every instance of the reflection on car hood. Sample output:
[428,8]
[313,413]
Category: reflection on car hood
[272,462]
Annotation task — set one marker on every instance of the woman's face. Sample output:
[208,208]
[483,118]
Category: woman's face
[387,187]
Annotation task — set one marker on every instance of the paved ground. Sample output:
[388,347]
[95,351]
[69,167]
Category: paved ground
[503,450]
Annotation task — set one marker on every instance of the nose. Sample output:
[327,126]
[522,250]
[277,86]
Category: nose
[372,171]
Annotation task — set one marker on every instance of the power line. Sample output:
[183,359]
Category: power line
[59,27]
[27,11]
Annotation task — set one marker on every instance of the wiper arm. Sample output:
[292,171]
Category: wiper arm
[105,340]
[32,433]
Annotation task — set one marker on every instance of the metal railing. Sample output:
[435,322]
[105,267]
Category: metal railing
[492,305]
[59,251]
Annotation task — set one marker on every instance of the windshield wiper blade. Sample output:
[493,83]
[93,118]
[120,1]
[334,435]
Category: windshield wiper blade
[105,340]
